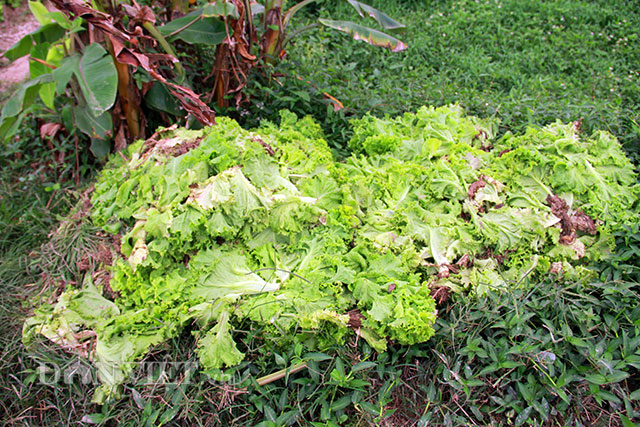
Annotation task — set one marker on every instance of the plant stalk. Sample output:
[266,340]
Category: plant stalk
[166,46]
[290,37]
[268,379]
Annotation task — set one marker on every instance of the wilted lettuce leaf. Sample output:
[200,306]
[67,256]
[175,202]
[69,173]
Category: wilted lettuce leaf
[115,359]
[217,348]
[73,319]
[558,159]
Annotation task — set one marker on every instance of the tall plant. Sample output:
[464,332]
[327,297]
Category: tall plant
[99,64]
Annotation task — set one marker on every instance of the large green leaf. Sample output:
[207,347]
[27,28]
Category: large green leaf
[36,68]
[25,95]
[369,35]
[63,73]
[387,22]
[159,98]
[209,31]
[220,8]
[9,126]
[19,104]
[194,28]
[99,127]
[47,90]
[21,48]
[98,79]
[48,93]
[100,148]
[46,34]
[40,12]
[56,54]
[180,23]
[44,17]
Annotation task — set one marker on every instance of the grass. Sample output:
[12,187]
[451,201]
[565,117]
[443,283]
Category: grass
[535,355]
[35,191]
[525,62]
[549,354]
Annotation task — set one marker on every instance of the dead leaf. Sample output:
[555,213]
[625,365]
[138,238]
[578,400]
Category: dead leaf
[50,129]
[335,103]
[120,142]
[139,13]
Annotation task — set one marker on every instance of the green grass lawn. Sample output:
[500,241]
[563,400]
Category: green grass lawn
[525,62]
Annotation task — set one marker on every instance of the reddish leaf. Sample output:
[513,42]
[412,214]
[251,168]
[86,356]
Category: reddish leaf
[335,103]
[49,129]
[139,13]
[100,20]
[120,142]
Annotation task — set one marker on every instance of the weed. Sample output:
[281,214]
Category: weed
[553,353]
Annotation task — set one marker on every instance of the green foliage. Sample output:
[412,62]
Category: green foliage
[91,73]
[224,225]
[198,29]
[95,86]
[82,79]
[522,78]
[625,264]
[553,352]
[520,61]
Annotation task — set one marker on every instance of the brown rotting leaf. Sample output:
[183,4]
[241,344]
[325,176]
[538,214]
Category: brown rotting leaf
[570,223]
[355,319]
[440,294]
[477,185]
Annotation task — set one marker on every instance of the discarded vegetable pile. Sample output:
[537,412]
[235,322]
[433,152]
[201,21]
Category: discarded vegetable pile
[225,224]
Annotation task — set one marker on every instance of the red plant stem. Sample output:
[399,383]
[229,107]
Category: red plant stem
[75,139]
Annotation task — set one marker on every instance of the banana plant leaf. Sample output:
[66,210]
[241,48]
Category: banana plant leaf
[220,9]
[98,79]
[49,33]
[387,22]
[369,35]
[199,26]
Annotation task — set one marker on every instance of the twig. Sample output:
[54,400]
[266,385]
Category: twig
[45,63]
[268,379]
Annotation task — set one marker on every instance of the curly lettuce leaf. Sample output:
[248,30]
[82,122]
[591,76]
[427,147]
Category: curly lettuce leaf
[217,347]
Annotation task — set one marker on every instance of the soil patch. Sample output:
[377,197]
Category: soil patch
[17,23]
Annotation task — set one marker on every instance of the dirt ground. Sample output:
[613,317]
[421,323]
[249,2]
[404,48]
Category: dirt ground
[17,23]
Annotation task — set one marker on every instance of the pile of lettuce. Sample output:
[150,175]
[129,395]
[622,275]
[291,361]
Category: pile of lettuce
[224,225]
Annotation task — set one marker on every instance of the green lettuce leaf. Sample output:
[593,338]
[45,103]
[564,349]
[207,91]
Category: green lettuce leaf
[217,347]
